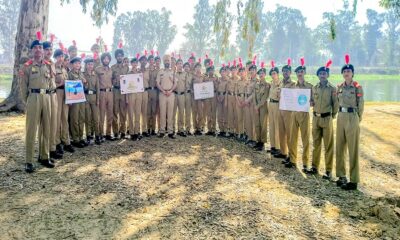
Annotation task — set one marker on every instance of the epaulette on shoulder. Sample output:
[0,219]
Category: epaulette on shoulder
[340,84]
[29,62]
[47,62]
[356,85]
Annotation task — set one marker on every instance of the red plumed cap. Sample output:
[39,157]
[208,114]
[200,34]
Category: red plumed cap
[262,64]
[52,37]
[302,61]
[39,35]
[289,62]
[328,64]
[272,64]
[83,55]
[137,55]
[347,59]
[120,45]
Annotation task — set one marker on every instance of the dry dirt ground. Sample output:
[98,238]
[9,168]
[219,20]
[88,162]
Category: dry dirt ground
[197,188]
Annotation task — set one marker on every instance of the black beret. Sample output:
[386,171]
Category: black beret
[287,67]
[104,55]
[119,51]
[157,58]
[233,67]
[262,70]
[47,44]
[222,69]
[242,69]
[249,62]
[75,59]
[88,60]
[210,68]
[322,69]
[134,60]
[72,48]
[274,69]
[197,65]
[179,60]
[186,64]
[207,61]
[150,57]
[58,53]
[143,58]
[252,67]
[300,68]
[66,56]
[36,43]
[192,57]
[348,66]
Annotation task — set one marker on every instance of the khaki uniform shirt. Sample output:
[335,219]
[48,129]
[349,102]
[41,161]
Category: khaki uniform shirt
[34,76]
[165,78]
[105,77]
[118,70]
[351,96]
[325,98]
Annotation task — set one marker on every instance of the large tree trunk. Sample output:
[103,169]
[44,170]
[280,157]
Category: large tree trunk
[33,17]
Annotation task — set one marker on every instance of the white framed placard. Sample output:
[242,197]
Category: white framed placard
[295,99]
[131,83]
[203,90]
[74,92]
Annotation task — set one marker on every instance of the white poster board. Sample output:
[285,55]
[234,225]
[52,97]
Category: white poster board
[295,99]
[74,92]
[203,90]
[131,83]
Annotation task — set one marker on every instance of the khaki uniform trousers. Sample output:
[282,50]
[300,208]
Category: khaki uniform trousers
[322,128]
[62,135]
[119,111]
[166,112]
[274,124]
[106,112]
[285,126]
[301,121]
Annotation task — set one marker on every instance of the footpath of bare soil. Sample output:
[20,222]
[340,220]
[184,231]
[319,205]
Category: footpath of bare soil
[197,188]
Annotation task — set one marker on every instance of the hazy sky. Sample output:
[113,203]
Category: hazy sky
[68,20]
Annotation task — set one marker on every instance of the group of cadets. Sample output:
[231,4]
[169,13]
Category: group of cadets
[245,106]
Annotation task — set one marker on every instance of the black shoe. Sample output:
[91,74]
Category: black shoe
[313,171]
[305,169]
[259,146]
[341,181]
[29,168]
[221,134]
[210,134]
[161,135]
[47,163]
[188,133]
[98,140]
[116,136]
[171,135]
[280,155]
[134,137]
[123,135]
[182,134]
[84,143]
[59,149]
[78,144]
[349,186]
[55,155]
[290,165]
[275,151]
[286,160]
[69,148]
[327,176]
[198,133]
[109,138]
[146,134]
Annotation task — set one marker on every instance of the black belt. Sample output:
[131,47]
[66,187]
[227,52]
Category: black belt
[90,92]
[179,93]
[241,95]
[322,115]
[61,87]
[221,93]
[150,88]
[347,110]
[273,100]
[105,89]
[117,87]
[52,91]
[40,90]
[231,93]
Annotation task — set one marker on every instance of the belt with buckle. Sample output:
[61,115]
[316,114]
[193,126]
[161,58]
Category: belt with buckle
[61,87]
[347,110]
[40,90]
[151,88]
[52,91]
[105,89]
[221,93]
[188,91]
[179,93]
[273,100]
[231,93]
[90,92]
[322,115]
[117,87]
[241,95]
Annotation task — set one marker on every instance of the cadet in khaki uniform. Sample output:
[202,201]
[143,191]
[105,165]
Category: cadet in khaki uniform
[273,109]
[92,92]
[188,98]
[166,83]
[231,101]
[153,97]
[77,110]
[145,96]
[199,107]
[180,90]
[48,52]
[261,95]
[222,102]
[134,101]
[285,117]
[119,105]
[209,105]
[249,107]
[301,121]
[62,136]
[240,98]
[325,109]
[35,77]
[104,74]
[351,108]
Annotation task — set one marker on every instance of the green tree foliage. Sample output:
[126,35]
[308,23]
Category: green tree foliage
[144,30]
[372,34]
